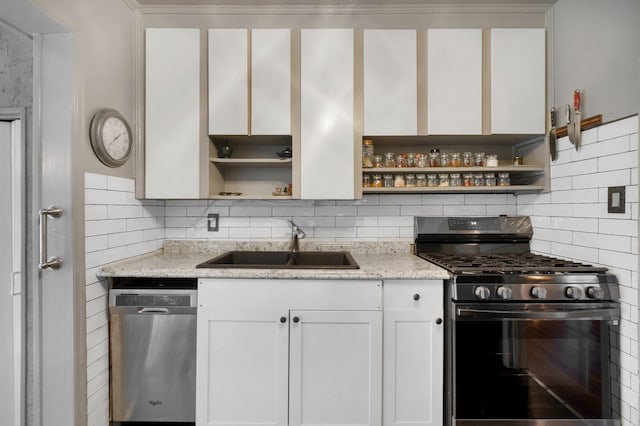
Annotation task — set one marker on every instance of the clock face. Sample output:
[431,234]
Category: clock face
[115,138]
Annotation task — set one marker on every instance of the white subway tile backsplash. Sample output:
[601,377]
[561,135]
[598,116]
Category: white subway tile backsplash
[395,221]
[464,210]
[602,241]
[336,211]
[95,181]
[625,160]
[596,180]
[351,221]
[378,232]
[598,150]
[104,197]
[430,210]
[574,224]
[205,210]
[577,168]
[619,227]
[618,128]
[103,227]
[442,199]
[95,212]
[378,210]
[575,196]
[123,212]
[293,211]
[250,233]
[400,200]
[115,183]
[248,210]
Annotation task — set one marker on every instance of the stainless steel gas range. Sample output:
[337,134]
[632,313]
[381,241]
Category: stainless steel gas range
[529,338]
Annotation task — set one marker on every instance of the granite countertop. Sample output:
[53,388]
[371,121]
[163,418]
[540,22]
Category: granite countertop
[379,260]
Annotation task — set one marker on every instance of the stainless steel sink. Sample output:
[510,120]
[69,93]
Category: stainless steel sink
[282,260]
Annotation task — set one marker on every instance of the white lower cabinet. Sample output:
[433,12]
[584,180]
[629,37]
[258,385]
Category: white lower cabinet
[289,352]
[413,353]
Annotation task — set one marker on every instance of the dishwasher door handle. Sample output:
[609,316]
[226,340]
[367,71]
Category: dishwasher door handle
[164,311]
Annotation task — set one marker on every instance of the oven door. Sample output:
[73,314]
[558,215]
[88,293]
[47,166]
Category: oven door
[525,364]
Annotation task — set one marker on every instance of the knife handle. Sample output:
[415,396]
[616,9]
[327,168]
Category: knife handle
[568,113]
[576,100]
[553,117]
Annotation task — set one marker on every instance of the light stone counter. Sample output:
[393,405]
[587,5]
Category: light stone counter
[380,260]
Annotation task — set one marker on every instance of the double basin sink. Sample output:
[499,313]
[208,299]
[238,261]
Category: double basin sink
[282,260]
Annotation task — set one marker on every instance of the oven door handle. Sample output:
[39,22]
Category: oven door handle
[605,313]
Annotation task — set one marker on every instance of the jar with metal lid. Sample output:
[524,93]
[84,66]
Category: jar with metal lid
[422,160]
[479,159]
[378,161]
[434,158]
[467,179]
[478,179]
[387,180]
[389,159]
[445,160]
[503,179]
[467,159]
[517,160]
[399,181]
[421,179]
[377,180]
[456,160]
[491,160]
[443,179]
[455,180]
[490,179]
[410,179]
[366,181]
[411,159]
[367,153]
[432,179]
[401,160]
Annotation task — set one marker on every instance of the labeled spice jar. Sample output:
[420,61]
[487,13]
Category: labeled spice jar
[503,179]
[443,179]
[366,181]
[445,160]
[377,180]
[410,179]
[432,180]
[478,159]
[378,161]
[491,160]
[467,159]
[456,160]
[478,179]
[490,179]
[455,180]
[399,181]
[389,159]
[387,180]
[367,153]
[467,179]
[421,179]
[434,158]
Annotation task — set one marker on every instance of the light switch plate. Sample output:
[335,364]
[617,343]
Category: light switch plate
[213,220]
[616,199]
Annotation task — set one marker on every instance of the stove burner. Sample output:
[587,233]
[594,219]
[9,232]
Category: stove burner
[521,263]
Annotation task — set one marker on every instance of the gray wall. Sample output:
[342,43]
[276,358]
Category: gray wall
[597,49]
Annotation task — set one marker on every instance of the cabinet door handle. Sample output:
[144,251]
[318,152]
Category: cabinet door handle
[296,320]
[283,319]
[53,262]
[438,321]
[416,296]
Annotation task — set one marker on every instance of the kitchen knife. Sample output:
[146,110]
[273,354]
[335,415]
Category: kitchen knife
[553,148]
[576,118]
[570,126]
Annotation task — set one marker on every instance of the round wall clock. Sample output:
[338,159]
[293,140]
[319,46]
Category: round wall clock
[110,137]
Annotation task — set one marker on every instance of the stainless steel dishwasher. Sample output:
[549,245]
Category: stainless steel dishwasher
[153,349]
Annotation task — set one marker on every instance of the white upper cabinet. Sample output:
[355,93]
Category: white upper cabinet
[518,89]
[271,82]
[266,108]
[172,111]
[390,83]
[228,82]
[327,118]
[454,82]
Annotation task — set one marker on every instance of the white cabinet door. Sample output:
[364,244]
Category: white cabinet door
[413,353]
[454,81]
[228,82]
[271,82]
[242,367]
[327,127]
[335,368]
[172,112]
[390,83]
[518,89]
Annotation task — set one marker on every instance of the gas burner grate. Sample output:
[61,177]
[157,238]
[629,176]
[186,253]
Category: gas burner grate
[522,263]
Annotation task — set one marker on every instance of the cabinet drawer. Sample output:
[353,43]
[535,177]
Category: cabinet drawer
[413,294]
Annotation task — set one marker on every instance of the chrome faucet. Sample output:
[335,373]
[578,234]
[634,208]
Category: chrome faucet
[296,234]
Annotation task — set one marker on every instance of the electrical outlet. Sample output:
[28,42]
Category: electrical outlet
[615,199]
[212,222]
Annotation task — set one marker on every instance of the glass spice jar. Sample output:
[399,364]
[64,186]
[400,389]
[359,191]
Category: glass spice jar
[434,158]
[445,160]
[467,159]
[367,153]
[410,179]
[491,160]
[503,179]
[401,161]
[422,160]
[490,179]
[411,159]
[456,161]
[443,179]
[421,179]
[478,179]
[378,161]
[366,181]
[387,180]
[479,159]
[432,180]
[377,180]
[399,181]
[454,179]
[467,179]
[389,159]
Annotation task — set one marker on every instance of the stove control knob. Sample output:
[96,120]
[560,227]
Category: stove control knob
[504,293]
[574,293]
[539,292]
[595,293]
[482,292]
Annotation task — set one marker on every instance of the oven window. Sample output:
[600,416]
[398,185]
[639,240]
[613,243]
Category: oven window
[533,369]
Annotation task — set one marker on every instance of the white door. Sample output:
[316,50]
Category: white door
[11,272]
[335,370]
